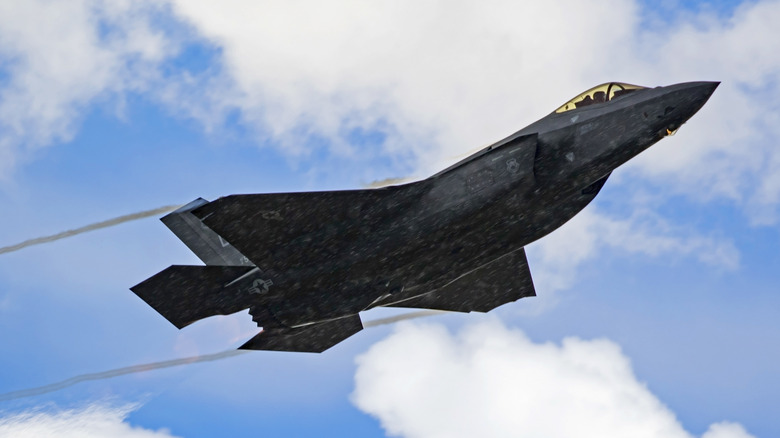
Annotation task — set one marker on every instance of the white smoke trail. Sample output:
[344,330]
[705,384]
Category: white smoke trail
[117,372]
[88,228]
[38,390]
[402,317]
[388,182]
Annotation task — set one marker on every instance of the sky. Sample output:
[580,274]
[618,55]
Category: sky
[657,313]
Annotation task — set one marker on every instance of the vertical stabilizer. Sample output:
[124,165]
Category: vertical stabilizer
[205,243]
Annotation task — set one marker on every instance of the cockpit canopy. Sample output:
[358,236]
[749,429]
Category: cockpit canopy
[598,94]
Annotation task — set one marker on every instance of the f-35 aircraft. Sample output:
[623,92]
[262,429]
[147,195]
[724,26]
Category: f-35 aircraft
[305,264]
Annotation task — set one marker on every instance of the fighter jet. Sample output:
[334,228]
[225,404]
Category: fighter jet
[305,264]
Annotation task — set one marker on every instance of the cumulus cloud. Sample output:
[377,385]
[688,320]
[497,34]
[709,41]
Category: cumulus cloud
[726,430]
[93,421]
[493,381]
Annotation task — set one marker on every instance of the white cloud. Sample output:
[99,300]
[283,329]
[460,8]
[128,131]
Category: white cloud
[93,421]
[436,78]
[556,257]
[726,430]
[492,381]
[441,78]
[730,149]
[61,57]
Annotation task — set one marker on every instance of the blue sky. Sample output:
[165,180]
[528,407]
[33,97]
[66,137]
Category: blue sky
[657,306]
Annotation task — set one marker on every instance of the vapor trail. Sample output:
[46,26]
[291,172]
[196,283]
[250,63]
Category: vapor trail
[117,372]
[405,316]
[87,228]
[38,390]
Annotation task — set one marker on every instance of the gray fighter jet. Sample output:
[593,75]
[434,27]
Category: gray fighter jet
[305,264]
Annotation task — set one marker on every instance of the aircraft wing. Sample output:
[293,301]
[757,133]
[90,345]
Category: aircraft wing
[501,281]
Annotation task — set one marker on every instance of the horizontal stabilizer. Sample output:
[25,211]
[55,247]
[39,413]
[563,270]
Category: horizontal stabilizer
[185,294]
[313,338]
[501,281]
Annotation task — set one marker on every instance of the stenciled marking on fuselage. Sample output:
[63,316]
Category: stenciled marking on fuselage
[512,166]
[260,286]
[272,215]
[584,129]
[480,180]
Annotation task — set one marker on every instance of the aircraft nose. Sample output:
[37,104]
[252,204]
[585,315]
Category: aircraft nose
[685,100]
[704,89]
[696,94]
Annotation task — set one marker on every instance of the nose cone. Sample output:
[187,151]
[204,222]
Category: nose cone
[688,98]
[700,92]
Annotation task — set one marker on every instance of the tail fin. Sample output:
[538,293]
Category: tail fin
[204,242]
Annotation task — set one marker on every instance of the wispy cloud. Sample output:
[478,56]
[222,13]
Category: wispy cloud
[60,58]
[555,258]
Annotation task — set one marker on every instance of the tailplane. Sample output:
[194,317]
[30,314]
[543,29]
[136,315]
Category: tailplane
[185,294]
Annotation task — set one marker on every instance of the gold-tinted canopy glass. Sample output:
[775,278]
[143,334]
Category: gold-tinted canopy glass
[598,94]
